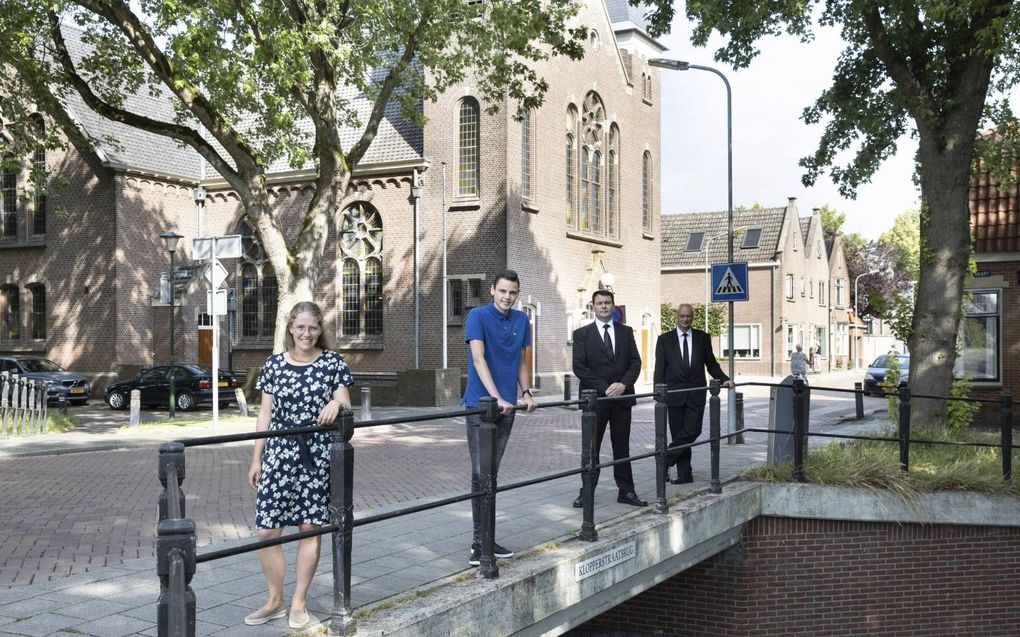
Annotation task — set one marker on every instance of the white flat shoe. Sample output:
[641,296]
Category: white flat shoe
[298,619]
[261,616]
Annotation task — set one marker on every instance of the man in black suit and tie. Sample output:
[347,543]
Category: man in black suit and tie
[681,358]
[606,359]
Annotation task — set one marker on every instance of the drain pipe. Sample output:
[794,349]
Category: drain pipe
[415,197]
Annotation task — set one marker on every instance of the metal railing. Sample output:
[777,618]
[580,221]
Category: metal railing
[177,556]
[23,408]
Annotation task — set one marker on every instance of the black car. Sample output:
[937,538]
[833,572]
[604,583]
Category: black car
[877,371]
[74,387]
[193,386]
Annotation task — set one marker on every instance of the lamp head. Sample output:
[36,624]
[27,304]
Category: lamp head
[667,63]
[170,239]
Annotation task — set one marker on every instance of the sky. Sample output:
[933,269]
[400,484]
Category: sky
[769,137]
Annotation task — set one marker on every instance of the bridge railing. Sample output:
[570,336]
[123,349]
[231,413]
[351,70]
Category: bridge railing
[23,408]
[177,556]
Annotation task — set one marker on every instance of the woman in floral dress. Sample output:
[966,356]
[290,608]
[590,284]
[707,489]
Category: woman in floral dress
[302,386]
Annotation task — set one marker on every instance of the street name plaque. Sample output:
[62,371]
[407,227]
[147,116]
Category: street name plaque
[604,561]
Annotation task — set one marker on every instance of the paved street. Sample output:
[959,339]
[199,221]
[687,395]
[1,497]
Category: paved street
[87,515]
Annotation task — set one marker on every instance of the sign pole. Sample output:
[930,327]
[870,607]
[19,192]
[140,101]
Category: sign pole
[214,315]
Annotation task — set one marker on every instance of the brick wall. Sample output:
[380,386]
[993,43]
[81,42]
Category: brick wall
[815,577]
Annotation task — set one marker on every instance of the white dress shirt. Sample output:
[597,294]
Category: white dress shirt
[612,333]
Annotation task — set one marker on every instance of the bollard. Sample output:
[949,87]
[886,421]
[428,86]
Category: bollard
[589,458]
[341,493]
[175,565]
[46,407]
[62,405]
[30,416]
[5,392]
[171,469]
[136,408]
[739,404]
[242,402]
[21,398]
[487,447]
[904,429]
[798,429]
[661,450]
[1006,434]
[567,386]
[366,403]
[714,430]
[859,400]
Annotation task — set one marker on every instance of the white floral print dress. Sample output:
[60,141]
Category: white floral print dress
[293,487]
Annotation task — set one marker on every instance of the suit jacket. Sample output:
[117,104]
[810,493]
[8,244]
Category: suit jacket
[596,370]
[670,369]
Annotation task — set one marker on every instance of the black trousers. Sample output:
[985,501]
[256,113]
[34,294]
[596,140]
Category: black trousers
[617,417]
[684,428]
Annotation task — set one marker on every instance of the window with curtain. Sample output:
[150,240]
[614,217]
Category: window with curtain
[258,288]
[646,192]
[361,236]
[11,312]
[37,319]
[746,341]
[9,192]
[467,144]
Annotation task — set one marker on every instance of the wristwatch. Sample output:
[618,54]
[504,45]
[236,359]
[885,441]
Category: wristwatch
[527,392]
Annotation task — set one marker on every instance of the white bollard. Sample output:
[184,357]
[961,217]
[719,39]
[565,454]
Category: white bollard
[136,407]
[45,407]
[242,403]
[33,422]
[5,392]
[366,403]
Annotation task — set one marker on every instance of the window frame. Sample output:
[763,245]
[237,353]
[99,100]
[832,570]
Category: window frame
[754,333]
[971,315]
[468,149]
[362,276]
[10,306]
[37,311]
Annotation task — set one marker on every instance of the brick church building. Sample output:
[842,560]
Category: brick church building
[568,197]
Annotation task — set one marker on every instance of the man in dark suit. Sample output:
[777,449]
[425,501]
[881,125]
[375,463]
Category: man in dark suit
[606,359]
[681,358]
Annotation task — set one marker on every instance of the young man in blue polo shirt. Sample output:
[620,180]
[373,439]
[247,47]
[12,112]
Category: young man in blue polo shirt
[497,336]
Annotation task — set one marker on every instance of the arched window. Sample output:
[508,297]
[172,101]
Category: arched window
[595,210]
[585,190]
[646,192]
[527,155]
[361,236]
[593,122]
[9,192]
[612,183]
[11,312]
[570,171]
[39,175]
[37,319]
[467,143]
[258,289]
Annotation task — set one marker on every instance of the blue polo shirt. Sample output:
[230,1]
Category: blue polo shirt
[504,337]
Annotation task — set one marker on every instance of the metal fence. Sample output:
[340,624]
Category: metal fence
[23,408]
[177,556]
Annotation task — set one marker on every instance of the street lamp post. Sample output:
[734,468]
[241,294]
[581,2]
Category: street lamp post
[170,239]
[677,65]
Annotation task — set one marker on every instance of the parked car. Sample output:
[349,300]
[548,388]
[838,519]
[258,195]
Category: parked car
[193,387]
[74,387]
[877,371]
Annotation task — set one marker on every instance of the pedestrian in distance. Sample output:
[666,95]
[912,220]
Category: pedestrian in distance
[681,358]
[799,362]
[302,386]
[498,337]
[606,359]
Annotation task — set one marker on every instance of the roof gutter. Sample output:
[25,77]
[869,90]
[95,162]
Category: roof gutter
[701,267]
[309,174]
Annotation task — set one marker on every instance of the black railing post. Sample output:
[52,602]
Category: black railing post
[661,451]
[589,458]
[175,565]
[798,429]
[714,431]
[1006,424]
[904,428]
[341,513]
[487,447]
[859,400]
[171,466]
[738,403]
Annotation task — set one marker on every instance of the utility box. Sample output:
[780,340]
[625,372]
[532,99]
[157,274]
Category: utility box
[780,447]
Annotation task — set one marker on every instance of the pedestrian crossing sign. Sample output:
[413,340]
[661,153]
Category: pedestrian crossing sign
[729,282]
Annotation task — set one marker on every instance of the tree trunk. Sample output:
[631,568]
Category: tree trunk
[945,253]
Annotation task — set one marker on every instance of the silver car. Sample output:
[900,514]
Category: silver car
[878,370]
[73,387]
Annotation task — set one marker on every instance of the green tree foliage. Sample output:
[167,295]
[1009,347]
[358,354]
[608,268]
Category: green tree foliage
[937,69]
[242,76]
[904,243]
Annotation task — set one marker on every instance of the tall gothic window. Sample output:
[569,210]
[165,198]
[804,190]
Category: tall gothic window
[612,183]
[527,155]
[646,191]
[570,167]
[258,291]
[467,143]
[39,173]
[593,122]
[9,192]
[11,312]
[361,236]
[37,319]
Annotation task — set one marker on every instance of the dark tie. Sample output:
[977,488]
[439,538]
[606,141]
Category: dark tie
[609,341]
[686,353]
